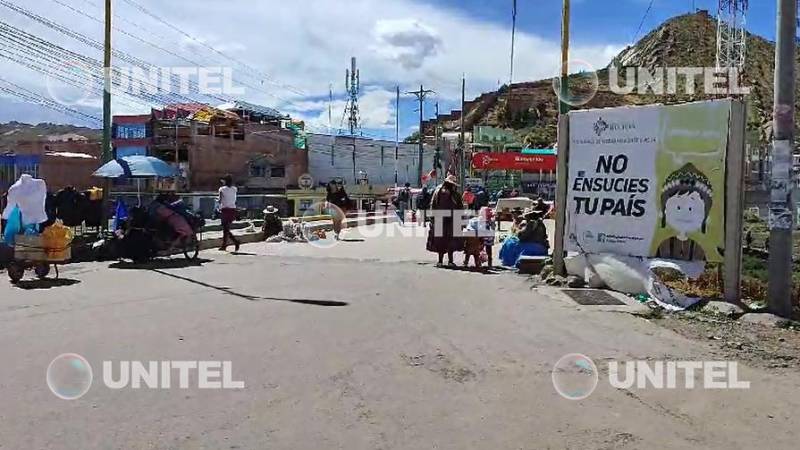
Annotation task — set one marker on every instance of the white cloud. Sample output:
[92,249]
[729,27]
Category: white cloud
[305,45]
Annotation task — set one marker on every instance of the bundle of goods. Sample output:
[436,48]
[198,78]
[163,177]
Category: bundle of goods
[24,217]
[164,225]
[78,208]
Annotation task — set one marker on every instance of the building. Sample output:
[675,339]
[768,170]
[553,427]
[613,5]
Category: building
[359,160]
[207,143]
[60,163]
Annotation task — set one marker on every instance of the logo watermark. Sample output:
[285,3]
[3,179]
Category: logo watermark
[76,82]
[575,376]
[70,376]
[584,83]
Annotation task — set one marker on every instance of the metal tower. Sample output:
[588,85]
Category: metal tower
[731,34]
[352,84]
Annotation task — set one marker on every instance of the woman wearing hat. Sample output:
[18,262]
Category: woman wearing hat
[337,202]
[272,223]
[227,204]
[446,203]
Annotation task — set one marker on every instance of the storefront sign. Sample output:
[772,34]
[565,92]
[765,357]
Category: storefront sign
[513,161]
[648,181]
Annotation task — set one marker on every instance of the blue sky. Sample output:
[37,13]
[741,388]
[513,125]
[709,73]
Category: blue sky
[307,44]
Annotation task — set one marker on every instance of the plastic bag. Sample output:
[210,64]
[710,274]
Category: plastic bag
[13,227]
[56,239]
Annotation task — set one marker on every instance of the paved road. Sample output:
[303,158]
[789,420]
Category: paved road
[361,346]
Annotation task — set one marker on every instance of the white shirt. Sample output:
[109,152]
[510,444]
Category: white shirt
[227,197]
[29,195]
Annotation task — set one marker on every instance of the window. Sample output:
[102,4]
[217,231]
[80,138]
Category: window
[278,172]
[258,171]
[137,131]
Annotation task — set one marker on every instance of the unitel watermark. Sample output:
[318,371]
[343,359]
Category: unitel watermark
[575,376]
[70,376]
[584,82]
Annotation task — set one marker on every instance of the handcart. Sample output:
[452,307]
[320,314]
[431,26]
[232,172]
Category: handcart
[31,253]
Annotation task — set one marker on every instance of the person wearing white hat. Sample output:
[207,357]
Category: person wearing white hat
[272,223]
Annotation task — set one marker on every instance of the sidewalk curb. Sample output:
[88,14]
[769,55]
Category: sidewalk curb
[252,237]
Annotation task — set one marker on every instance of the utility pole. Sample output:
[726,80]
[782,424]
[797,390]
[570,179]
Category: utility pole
[781,218]
[513,38]
[330,121]
[437,156]
[108,151]
[421,95]
[462,152]
[396,132]
[564,88]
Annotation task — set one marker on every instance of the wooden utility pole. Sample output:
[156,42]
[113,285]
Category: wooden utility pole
[463,140]
[396,133]
[781,217]
[107,151]
[564,88]
[421,94]
[513,39]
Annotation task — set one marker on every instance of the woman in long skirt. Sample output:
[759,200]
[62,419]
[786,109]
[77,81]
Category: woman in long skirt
[443,238]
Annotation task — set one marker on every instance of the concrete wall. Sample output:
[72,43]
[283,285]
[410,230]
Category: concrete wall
[379,169]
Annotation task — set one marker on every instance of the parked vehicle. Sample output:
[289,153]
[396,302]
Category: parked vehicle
[503,211]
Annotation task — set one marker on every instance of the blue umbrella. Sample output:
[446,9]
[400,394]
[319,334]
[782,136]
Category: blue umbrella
[136,167]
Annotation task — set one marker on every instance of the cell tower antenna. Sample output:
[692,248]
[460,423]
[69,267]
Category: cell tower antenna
[353,86]
[732,34]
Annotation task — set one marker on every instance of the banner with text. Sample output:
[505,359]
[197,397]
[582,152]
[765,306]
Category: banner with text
[648,181]
[514,161]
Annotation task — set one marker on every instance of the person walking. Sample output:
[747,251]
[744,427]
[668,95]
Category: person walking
[446,203]
[403,201]
[228,194]
[423,204]
[337,202]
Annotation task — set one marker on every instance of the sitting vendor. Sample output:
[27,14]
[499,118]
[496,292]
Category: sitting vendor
[531,240]
[272,223]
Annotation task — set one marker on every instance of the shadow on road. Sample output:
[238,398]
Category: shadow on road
[480,270]
[47,283]
[253,298]
[168,263]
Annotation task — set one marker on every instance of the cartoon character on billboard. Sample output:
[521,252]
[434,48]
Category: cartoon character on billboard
[686,200]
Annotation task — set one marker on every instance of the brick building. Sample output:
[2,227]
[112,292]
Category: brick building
[60,163]
[208,143]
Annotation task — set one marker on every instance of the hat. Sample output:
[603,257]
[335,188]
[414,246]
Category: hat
[271,210]
[451,179]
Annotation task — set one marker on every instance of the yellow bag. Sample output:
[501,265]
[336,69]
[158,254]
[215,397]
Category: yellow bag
[57,241]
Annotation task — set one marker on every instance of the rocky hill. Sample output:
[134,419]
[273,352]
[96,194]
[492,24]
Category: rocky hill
[531,108]
[13,132]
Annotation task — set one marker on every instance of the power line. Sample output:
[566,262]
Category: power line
[641,24]
[30,96]
[200,42]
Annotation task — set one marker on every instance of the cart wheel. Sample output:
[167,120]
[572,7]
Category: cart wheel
[192,250]
[15,272]
[42,270]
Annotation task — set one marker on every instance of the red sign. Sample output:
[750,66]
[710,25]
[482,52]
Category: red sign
[514,161]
